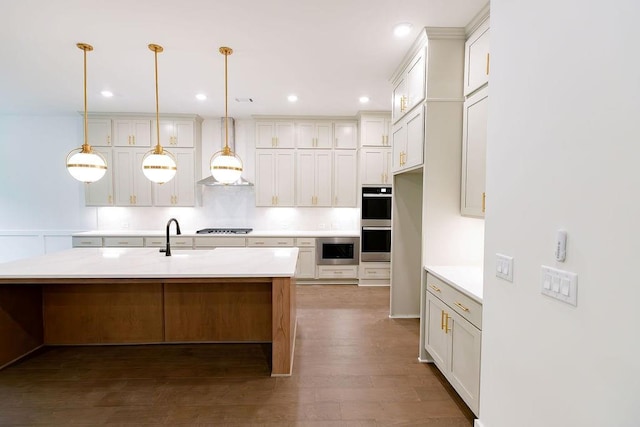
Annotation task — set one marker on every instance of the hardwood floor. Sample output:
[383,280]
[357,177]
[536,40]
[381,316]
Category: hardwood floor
[353,366]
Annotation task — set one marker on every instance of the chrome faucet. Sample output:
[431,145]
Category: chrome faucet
[167,251]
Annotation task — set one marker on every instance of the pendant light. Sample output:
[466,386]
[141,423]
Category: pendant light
[226,166]
[158,165]
[83,163]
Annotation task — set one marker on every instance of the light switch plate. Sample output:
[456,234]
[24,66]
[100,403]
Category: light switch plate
[559,284]
[504,267]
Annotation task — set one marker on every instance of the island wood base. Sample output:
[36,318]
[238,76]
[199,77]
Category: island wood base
[144,311]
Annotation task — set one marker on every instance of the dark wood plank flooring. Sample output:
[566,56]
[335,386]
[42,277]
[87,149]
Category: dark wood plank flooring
[353,367]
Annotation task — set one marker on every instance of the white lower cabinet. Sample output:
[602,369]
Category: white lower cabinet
[375,273]
[269,242]
[337,271]
[175,241]
[123,242]
[306,268]
[208,242]
[452,340]
[87,242]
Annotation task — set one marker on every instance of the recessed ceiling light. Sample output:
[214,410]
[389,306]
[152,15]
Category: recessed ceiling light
[292,98]
[201,97]
[364,99]
[106,93]
[402,29]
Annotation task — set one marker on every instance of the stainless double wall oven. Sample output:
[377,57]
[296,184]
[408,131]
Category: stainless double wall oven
[375,236]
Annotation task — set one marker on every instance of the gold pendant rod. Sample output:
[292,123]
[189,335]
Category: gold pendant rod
[85,47]
[226,51]
[156,48]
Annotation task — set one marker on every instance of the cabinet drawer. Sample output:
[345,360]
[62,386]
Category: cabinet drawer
[217,241]
[161,242]
[79,242]
[466,307]
[375,271]
[110,242]
[305,241]
[338,271]
[270,241]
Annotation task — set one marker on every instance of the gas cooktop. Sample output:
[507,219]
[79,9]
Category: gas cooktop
[224,231]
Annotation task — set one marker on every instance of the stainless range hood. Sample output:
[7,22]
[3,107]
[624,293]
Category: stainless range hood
[210,180]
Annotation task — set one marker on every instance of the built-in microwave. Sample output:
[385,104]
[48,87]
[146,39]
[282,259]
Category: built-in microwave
[337,250]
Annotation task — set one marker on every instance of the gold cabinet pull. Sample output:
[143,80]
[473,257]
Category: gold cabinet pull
[435,288]
[134,139]
[276,200]
[484,201]
[108,139]
[462,306]
[442,319]
[447,329]
[110,199]
[487,71]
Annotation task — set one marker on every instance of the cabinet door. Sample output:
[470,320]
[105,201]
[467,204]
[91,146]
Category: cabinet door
[141,133]
[476,64]
[285,135]
[372,165]
[142,189]
[346,135]
[265,135]
[306,178]
[306,268]
[324,132]
[415,139]
[399,99]
[388,161]
[323,174]
[285,177]
[464,359]
[184,133]
[99,132]
[265,178]
[399,140]
[180,190]
[474,144]
[306,135]
[435,339]
[122,133]
[375,131]
[167,133]
[100,193]
[345,182]
[416,80]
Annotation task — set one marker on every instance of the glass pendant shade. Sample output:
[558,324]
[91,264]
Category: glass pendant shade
[159,167]
[226,167]
[86,166]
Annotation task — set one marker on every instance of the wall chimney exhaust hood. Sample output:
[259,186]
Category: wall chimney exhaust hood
[210,180]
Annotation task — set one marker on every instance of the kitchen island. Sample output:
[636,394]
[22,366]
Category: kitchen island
[88,296]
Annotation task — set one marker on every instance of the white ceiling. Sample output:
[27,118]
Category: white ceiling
[328,52]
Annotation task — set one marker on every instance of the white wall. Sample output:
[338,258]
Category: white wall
[563,152]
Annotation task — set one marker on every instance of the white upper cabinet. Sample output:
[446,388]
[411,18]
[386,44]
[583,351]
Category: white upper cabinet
[346,135]
[132,132]
[313,182]
[100,193]
[409,87]
[477,59]
[408,141]
[275,175]
[375,165]
[132,188]
[314,134]
[474,147]
[345,179]
[180,191]
[174,133]
[99,131]
[275,134]
[374,130]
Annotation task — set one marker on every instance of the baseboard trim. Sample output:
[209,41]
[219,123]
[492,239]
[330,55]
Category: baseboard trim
[404,316]
[478,423]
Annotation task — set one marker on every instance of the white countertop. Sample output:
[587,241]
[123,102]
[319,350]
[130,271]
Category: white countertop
[466,279]
[254,233]
[150,263]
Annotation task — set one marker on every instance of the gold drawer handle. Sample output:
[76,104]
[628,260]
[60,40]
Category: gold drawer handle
[442,319]
[435,288]
[462,306]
